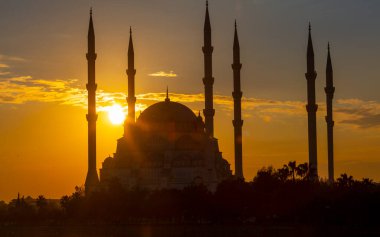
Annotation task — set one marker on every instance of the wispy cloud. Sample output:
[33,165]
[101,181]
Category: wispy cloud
[11,58]
[3,65]
[6,62]
[360,113]
[355,113]
[21,90]
[170,74]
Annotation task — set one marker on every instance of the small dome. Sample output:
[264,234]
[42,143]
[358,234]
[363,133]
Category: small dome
[108,162]
[166,112]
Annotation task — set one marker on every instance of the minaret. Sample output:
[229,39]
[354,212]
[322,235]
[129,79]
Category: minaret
[237,122]
[311,108]
[92,179]
[330,89]
[208,80]
[131,72]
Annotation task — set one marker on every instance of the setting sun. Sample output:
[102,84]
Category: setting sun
[116,114]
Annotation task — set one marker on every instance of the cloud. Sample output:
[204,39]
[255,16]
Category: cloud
[368,121]
[6,62]
[360,113]
[3,65]
[11,58]
[24,89]
[170,74]
[263,108]
[19,90]
[354,113]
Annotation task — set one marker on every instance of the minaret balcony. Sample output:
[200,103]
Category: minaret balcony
[131,72]
[237,94]
[236,66]
[311,75]
[92,117]
[330,90]
[91,56]
[91,86]
[131,100]
[237,123]
[311,108]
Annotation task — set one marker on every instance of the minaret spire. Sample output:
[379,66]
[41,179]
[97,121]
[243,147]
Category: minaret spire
[131,72]
[311,108]
[237,94]
[208,80]
[330,89]
[92,179]
[167,99]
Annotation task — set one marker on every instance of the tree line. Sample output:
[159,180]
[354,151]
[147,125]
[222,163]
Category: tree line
[274,196]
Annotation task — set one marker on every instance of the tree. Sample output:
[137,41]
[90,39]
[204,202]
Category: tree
[283,173]
[292,169]
[302,170]
[65,202]
[41,202]
[367,182]
[345,181]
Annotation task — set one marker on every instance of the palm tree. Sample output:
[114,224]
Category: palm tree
[345,181]
[41,202]
[283,173]
[302,170]
[367,182]
[292,168]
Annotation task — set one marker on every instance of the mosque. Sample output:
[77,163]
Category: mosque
[168,145]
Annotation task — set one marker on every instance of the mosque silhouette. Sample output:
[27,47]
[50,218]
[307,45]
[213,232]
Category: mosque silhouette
[169,146]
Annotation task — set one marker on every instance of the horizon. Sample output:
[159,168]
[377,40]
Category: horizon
[43,145]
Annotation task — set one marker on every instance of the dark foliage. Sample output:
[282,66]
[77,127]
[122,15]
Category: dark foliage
[285,195]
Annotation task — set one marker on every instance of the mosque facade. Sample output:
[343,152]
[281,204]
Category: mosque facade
[168,145]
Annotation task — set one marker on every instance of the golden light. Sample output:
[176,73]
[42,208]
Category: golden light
[116,114]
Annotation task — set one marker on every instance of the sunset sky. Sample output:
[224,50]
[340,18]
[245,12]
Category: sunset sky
[43,73]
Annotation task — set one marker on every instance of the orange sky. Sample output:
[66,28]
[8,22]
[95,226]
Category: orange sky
[43,130]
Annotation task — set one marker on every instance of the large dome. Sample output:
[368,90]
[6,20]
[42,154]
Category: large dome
[167,112]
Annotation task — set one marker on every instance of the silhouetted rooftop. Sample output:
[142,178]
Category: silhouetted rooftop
[167,111]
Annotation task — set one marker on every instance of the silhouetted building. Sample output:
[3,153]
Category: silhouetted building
[92,176]
[168,146]
[330,89]
[311,108]
[237,94]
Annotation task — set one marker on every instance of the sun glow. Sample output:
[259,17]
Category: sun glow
[116,114]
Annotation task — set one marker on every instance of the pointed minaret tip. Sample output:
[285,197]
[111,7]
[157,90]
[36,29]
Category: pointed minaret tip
[310,51]
[90,11]
[167,99]
[329,64]
[236,41]
[207,24]
[130,46]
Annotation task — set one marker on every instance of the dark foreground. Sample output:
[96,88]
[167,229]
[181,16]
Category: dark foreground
[185,231]
[276,203]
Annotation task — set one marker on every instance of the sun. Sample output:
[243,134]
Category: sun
[116,114]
